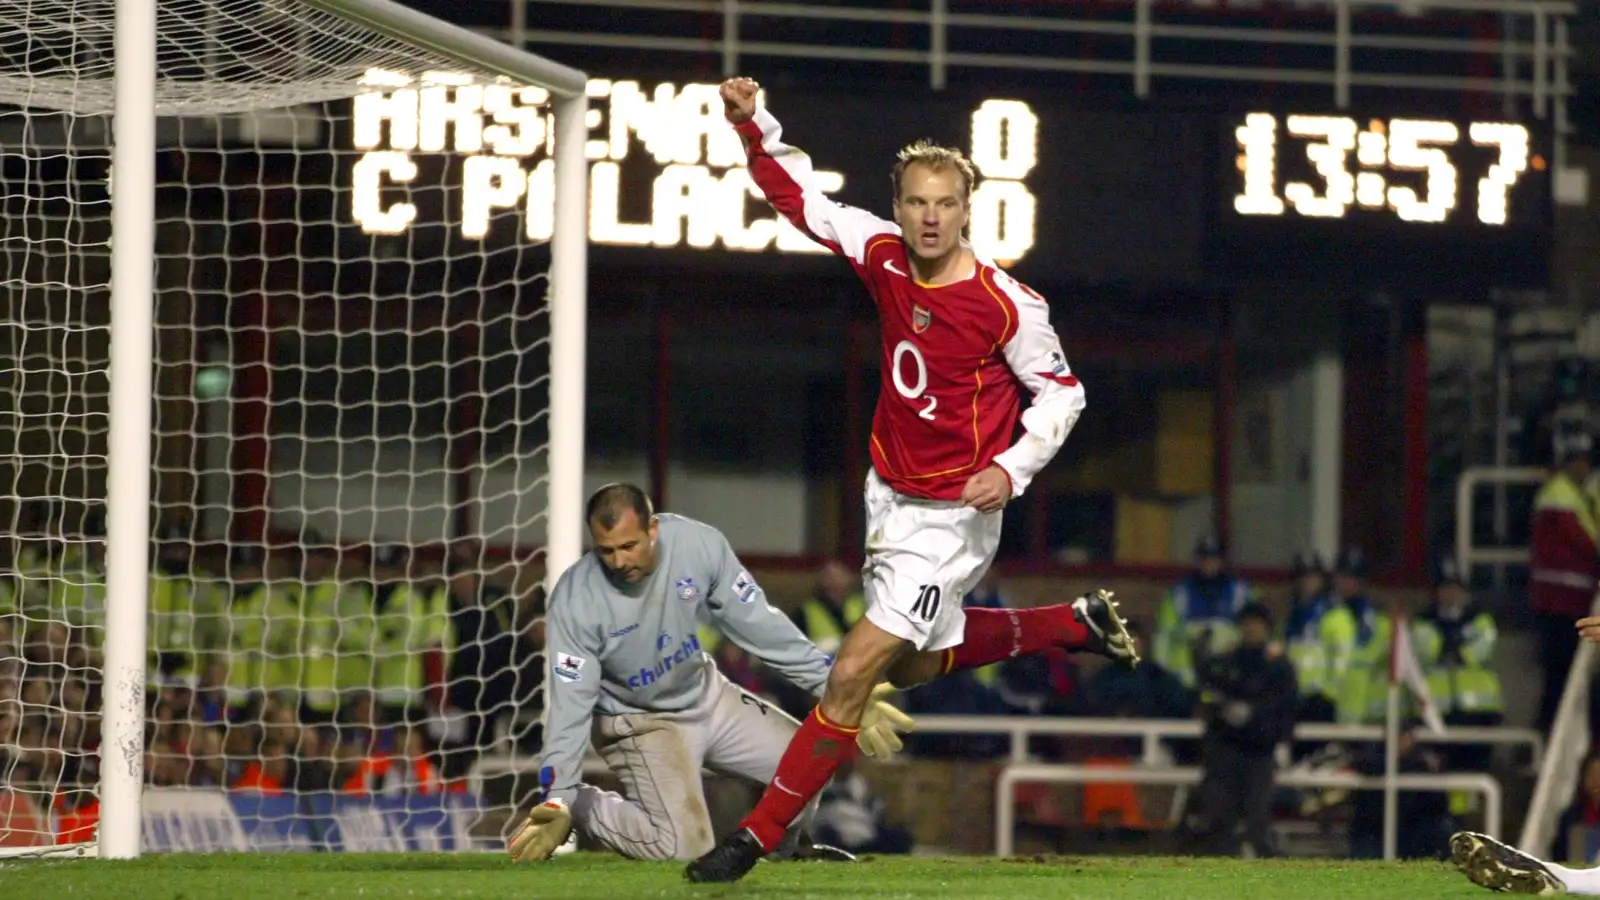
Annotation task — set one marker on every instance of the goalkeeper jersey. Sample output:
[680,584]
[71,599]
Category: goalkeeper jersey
[618,648]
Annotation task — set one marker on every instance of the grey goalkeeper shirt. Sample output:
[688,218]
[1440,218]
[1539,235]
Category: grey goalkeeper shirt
[618,648]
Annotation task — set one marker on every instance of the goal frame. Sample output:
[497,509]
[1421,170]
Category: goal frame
[132,353]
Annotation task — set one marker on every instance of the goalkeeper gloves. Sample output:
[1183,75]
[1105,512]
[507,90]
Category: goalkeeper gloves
[879,723]
[545,829]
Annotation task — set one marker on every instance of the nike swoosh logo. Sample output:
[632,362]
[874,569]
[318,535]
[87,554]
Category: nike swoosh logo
[889,264]
[779,785]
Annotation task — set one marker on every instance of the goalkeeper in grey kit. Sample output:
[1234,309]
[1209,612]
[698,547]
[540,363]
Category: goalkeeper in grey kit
[628,667]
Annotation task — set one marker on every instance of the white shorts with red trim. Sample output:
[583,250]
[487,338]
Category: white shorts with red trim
[922,557]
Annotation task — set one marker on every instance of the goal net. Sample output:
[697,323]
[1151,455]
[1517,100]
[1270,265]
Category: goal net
[365,422]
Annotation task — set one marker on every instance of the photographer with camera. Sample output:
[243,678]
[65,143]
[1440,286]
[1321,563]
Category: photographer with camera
[1248,699]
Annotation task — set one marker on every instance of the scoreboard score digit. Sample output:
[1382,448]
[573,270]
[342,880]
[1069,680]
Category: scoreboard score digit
[1478,175]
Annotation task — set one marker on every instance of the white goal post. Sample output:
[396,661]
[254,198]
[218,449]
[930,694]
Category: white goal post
[337,41]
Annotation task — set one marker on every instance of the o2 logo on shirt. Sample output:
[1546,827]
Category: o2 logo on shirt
[687,591]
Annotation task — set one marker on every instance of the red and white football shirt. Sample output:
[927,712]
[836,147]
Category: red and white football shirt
[956,358]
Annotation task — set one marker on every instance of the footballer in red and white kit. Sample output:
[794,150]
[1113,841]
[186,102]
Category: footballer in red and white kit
[963,345]
[957,358]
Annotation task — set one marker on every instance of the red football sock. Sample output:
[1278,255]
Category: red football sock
[815,751]
[996,635]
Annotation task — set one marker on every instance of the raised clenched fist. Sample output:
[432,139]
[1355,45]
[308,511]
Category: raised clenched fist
[739,99]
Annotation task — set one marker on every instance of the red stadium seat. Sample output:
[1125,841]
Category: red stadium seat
[1110,803]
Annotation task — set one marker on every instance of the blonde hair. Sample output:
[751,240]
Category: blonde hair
[938,158]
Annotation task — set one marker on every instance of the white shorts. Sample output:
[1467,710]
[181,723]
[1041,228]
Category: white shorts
[922,557]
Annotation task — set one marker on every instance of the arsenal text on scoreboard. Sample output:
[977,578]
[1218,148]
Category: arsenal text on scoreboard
[696,194]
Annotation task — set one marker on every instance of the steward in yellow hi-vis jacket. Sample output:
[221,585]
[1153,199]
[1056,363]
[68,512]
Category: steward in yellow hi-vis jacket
[1358,642]
[1564,557]
[832,609]
[265,651]
[1309,635]
[1455,641]
[1204,603]
[337,606]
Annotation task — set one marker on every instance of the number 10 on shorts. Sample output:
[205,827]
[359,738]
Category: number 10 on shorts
[927,605]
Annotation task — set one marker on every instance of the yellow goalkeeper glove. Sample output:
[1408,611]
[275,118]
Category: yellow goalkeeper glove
[879,723]
[545,829]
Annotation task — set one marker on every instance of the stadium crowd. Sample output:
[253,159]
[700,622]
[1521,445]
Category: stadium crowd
[379,670]
[354,671]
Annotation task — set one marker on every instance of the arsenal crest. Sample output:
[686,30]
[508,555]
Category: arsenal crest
[920,319]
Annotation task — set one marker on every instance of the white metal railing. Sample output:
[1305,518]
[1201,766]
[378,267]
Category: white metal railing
[1469,554]
[1014,774]
[1534,68]
[1151,731]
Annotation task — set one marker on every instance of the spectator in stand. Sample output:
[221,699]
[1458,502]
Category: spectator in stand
[1249,699]
[181,626]
[364,730]
[1423,816]
[337,604]
[1203,604]
[1040,684]
[377,757]
[741,668]
[1584,811]
[834,606]
[956,694]
[207,765]
[210,704]
[407,769]
[1146,691]
[268,773]
[482,679]
[411,619]
[49,652]
[1564,559]
[851,818]
[1352,655]
[1455,643]
[1310,635]
[76,592]
[264,649]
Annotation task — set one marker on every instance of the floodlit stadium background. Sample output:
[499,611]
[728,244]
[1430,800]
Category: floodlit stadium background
[352,375]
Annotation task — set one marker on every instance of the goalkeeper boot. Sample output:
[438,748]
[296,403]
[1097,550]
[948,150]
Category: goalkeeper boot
[730,860]
[1108,632]
[1501,867]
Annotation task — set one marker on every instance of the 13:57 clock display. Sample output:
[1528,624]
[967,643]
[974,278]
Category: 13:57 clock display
[1414,170]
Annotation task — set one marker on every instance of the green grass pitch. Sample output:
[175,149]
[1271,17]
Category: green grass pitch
[587,876]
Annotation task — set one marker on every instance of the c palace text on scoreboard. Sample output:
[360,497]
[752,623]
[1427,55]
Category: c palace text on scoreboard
[700,194]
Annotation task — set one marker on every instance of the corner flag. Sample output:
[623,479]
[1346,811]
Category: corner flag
[1404,669]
